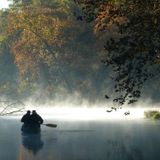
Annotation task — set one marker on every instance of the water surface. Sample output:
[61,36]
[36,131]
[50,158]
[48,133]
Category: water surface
[82,140]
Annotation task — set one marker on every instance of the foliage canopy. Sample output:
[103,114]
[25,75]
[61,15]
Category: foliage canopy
[131,41]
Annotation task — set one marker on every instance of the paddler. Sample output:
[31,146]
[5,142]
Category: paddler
[26,118]
[35,119]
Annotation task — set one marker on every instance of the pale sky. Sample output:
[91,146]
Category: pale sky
[3,4]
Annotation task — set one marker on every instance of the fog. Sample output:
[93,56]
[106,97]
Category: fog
[76,108]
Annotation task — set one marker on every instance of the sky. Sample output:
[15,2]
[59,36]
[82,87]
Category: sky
[3,4]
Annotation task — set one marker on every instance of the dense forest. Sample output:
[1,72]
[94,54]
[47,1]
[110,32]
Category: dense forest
[98,50]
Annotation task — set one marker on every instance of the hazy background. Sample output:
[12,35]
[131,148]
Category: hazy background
[69,72]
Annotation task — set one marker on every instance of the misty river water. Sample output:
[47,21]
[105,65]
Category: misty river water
[82,140]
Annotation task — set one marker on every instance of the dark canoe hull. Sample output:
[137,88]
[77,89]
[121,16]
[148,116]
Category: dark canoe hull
[30,129]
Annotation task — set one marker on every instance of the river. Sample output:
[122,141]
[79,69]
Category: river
[82,140]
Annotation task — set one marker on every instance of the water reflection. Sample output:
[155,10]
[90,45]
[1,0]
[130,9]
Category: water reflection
[117,149]
[32,142]
[82,141]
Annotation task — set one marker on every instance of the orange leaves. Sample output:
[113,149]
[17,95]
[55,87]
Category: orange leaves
[35,28]
[108,16]
[39,21]
[25,59]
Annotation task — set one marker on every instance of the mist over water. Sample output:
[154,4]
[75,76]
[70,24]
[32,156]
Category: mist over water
[85,131]
[86,111]
[78,108]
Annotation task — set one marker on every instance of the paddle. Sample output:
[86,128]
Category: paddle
[50,125]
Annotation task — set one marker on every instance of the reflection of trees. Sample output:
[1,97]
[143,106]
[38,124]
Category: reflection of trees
[32,142]
[119,150]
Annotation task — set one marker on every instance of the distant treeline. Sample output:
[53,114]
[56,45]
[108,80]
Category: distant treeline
[45,50]
[86,48]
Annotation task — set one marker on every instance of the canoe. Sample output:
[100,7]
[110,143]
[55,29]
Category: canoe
[30,129]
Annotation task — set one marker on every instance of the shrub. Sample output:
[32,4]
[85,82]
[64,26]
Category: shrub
[152,114]
[156,115]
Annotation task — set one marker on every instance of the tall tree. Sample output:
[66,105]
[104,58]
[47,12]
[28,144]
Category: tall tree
[51,44]
[131,35]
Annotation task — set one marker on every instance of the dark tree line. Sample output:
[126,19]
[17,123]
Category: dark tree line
[67,47]
[132,44]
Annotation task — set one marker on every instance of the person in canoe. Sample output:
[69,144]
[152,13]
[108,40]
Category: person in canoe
[31,122]
[35,119]
[26,118]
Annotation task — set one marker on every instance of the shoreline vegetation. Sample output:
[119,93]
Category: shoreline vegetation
[155,115]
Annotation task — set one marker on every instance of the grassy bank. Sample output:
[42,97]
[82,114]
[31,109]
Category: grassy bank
[152,115]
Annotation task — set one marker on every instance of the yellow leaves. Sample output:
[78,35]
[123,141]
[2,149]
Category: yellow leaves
[25,59]
[40,33]
[38,27]
[37,21]
[2,38]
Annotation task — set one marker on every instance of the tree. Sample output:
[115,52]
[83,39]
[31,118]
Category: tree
[35,33]
[52,48]
[132,42]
